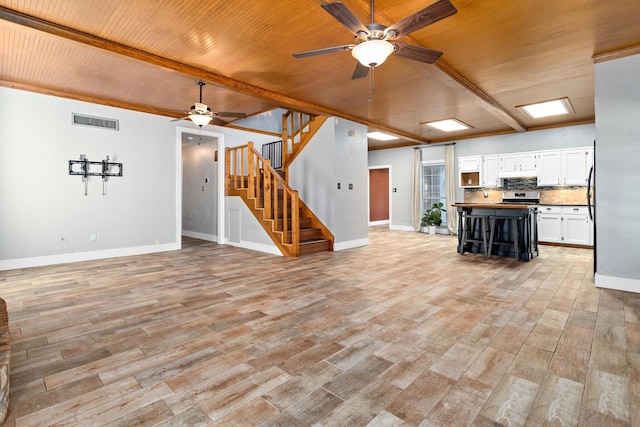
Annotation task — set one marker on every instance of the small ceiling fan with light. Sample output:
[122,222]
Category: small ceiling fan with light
[201,114]
[373,43]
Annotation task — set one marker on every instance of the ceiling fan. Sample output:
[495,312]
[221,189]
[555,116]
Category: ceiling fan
[201,114]
[373,41]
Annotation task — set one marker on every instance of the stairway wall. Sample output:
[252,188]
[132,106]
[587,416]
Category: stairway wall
[336,154]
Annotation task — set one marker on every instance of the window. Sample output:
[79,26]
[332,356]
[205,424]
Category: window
[433,186]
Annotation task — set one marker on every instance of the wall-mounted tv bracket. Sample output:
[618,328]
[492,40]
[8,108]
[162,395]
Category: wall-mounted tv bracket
[85,169]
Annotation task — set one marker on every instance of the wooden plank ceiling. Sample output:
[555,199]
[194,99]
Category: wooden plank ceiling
[145,55]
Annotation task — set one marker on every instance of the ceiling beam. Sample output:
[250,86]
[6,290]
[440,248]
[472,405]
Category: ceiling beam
[130,52]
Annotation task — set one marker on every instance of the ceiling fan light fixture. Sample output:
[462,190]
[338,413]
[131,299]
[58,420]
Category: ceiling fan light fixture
[372,52]
[200,119]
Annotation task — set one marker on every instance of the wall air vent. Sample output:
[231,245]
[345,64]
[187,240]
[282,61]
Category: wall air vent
[97,122]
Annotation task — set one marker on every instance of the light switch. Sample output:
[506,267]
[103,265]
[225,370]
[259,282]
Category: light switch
[350,186]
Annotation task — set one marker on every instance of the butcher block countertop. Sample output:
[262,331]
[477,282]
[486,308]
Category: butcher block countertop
[492,206]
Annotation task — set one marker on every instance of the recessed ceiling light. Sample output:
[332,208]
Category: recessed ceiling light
[448,125]
[381,136]
[554,107]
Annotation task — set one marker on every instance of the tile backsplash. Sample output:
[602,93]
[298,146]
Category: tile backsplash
[576,195]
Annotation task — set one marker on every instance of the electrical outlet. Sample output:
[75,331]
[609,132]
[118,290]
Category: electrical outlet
[338,186]
[350,186]
[93,238]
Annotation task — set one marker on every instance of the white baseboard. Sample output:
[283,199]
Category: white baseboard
[617,283]
[401,227]
[382,222]
[40,261]
[259,247]
[350,244]
[201,236]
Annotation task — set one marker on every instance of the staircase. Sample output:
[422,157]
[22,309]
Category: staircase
[291,225]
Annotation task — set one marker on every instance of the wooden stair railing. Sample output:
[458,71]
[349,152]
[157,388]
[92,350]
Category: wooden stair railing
[297,130]
[274,204]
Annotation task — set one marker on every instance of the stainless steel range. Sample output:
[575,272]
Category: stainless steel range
[521,197]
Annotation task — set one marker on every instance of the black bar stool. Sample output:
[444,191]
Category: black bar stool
[497,230]
[474,224]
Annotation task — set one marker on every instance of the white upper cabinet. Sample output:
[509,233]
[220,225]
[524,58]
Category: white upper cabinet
[490,171]
[549,168]
[470,164]
[564,167]
[517,164]
[576,166]
[470,169]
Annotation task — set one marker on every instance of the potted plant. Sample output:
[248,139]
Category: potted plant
[432,217]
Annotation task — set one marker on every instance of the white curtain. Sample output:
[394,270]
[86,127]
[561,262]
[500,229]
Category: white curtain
[450,188]
[416,213]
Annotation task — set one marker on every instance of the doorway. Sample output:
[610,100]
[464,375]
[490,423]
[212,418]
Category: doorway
[200,195]
[379,209]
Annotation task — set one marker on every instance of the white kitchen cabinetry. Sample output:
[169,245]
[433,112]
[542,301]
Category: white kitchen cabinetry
[576,165]
[576,225]
[564,167]
[565,224]
[490,171]
[470,169]
[517,164]
[549,168]
[550,224]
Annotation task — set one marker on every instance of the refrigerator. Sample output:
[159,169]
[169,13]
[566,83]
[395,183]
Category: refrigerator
[591,204]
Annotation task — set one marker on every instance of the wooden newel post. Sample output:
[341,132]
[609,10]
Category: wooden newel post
[295,223]
[267,190]
[251,172]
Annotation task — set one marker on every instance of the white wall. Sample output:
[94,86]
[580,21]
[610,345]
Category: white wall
[336,154]
[546,139]
[401,159]
[401,170]
[617,177]
[45,216]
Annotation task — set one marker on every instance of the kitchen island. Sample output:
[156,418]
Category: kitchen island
[501,229]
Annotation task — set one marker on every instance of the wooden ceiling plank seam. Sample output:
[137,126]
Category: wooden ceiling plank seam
[98,42]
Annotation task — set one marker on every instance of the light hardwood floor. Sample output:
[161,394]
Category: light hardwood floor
[403,332]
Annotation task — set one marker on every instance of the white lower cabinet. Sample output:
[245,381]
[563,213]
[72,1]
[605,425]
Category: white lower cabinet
[550,224]
[565,224]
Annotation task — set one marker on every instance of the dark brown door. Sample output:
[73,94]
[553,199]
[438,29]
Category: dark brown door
[378,194]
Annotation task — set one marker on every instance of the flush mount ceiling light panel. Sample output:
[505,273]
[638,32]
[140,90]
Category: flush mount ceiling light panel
[555,107]
[381,136]
[448,125]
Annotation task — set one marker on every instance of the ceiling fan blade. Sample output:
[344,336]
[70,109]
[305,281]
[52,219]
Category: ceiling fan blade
[360,71]
[218,121]
[427,16]
[417,53]
[324,50]
[181,118]
[339,11]
[230,114]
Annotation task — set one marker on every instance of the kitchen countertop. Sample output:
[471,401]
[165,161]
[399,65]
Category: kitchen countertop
[494,205]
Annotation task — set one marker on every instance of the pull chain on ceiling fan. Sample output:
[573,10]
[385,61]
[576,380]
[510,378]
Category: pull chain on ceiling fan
[373,41]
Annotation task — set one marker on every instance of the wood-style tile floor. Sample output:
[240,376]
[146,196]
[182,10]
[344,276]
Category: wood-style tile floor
[403,332]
